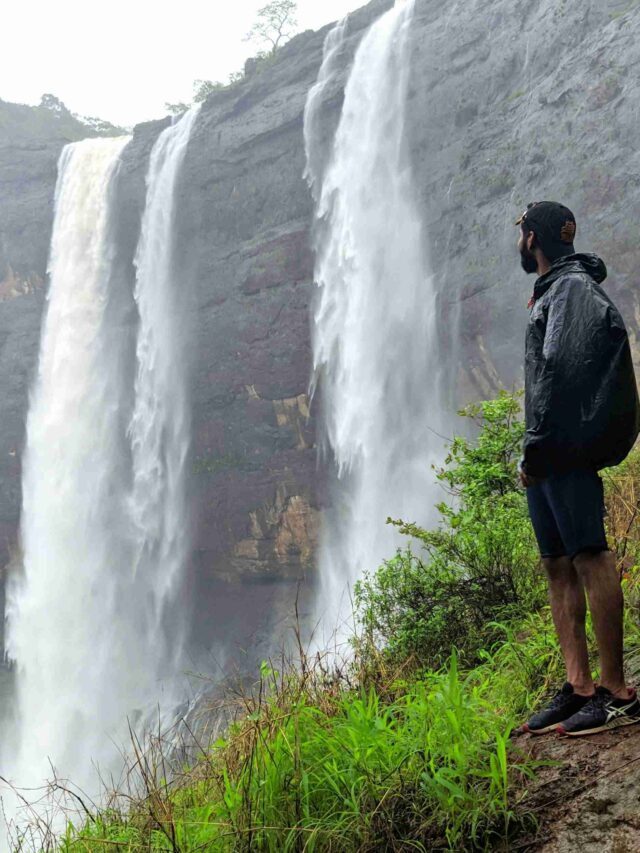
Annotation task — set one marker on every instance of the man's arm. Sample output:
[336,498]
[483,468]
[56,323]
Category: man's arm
[570,336]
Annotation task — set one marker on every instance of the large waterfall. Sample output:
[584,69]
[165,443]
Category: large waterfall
[104,527]
[61,631]
[374,325]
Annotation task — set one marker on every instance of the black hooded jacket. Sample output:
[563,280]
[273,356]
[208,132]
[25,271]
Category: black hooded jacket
[581,400]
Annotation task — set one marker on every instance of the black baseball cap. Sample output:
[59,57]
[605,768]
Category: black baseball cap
[554,225]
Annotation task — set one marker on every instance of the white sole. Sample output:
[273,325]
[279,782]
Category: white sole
[614,724]
[545,731]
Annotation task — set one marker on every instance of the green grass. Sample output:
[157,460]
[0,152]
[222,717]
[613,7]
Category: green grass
[392,750]
[321,766]
[425,763]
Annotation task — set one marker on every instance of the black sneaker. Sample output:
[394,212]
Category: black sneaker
[602,712]
[563,705]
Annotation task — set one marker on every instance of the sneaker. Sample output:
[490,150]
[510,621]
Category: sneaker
[564,704]
[602,712]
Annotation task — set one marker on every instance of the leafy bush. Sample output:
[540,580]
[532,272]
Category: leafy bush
[376,755]
[319,769]
[478,566]
[622,495]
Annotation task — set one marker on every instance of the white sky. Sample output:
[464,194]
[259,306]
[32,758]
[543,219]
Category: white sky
[122,60]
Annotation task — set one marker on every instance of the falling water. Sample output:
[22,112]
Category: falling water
[62,628]
[374,326]
[316,153]
[160,426]
[104,525]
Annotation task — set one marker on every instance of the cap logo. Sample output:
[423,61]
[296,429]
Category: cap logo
[522,218]
[568,232]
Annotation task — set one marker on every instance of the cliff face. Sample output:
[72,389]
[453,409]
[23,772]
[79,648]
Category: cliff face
[513,103]
[243,231]
[507,106]
[510,103]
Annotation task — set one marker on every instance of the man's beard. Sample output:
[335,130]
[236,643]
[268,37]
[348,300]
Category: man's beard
[528,261]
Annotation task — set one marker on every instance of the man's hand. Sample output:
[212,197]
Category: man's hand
[526,479]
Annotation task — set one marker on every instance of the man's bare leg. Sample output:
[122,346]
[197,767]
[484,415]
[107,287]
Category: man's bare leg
[569,610]
[600,577]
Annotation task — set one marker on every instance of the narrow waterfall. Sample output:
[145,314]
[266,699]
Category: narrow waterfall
[375,358]
[104,527]
[317,154]
[160,426]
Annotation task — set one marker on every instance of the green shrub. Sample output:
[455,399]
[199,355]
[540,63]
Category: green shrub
[431,768]
[408,746]
[622,496]
[478,566]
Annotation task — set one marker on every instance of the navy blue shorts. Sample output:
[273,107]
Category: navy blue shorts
[567,513]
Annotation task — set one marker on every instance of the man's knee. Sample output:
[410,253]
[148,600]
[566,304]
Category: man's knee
[558,568]
[592,558]
[589,561]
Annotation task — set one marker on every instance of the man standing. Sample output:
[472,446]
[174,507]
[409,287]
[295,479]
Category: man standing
[582,414]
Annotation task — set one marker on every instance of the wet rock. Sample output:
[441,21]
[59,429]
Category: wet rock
[509,103]
[588,801]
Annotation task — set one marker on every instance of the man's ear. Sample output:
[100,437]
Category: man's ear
[531,240]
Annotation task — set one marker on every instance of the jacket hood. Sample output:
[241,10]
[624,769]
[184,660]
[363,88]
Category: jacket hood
[587,263]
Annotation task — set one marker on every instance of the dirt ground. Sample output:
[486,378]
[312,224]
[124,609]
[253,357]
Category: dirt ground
[590,800]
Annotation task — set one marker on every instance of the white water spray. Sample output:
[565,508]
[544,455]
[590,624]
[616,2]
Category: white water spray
[61,615]
[104,524]
[374,335]
[316,153]
[160,427]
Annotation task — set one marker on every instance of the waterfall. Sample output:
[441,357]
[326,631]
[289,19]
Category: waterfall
[375,358]
[160,426]
[61,626]
[104,521]
[316,153]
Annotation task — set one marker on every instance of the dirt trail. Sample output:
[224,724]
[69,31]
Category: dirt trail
[590,802]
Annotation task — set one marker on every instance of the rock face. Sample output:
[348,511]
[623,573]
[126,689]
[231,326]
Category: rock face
[510,103]
[587,797]
[243,232]
[513,103]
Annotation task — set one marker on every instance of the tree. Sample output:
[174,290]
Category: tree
[51,102]
[201,91]
[203,88]
[275,24]
[177,109]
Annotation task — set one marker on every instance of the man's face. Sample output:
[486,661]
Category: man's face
[527,258]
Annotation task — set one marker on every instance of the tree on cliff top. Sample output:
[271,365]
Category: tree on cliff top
[275,24]
[203,88]
[54,104]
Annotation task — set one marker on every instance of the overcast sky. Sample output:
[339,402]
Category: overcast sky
[122,60]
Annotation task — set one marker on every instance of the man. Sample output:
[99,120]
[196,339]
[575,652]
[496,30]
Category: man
[582,415]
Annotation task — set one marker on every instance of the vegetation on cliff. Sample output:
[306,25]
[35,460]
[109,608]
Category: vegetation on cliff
[49,120]
[274,25]
[407,745]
